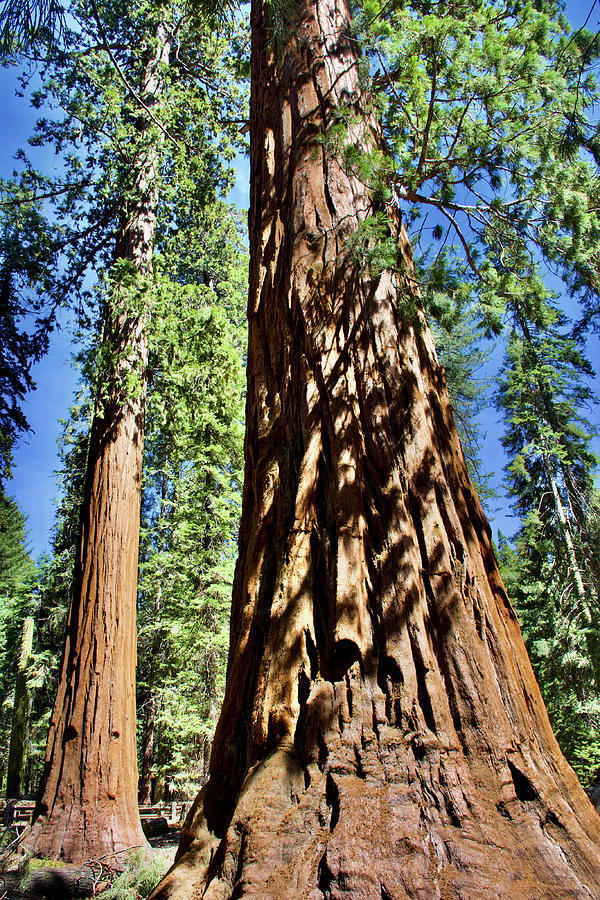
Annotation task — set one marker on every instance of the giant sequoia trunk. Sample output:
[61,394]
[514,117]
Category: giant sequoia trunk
[382,734]
[87,800]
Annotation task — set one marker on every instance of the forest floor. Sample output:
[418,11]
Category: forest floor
[45,879]
[166,844]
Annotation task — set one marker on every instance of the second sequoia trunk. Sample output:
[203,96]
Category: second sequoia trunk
[87,801]
[382,734]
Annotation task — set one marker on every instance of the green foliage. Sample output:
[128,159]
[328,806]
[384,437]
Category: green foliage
[152,141]
[192,499]
[25,262]
[562,646]
[474,99]
[17,583]
[375,250]
[139,877]
[543,391]
[125,137]
[553,575]
[24,23]
[459,345]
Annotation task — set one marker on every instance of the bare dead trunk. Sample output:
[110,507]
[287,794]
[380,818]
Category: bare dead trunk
[382,734]
[565,533]
[15,769]
[148,753]
[87,801]
[152,705]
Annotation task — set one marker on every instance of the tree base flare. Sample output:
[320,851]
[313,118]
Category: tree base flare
[75,839]
[398,820]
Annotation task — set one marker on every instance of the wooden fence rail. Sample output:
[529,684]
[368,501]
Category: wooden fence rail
[17,814]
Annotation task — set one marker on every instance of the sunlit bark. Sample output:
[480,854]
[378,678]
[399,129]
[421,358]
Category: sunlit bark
[87,801]
[382,734]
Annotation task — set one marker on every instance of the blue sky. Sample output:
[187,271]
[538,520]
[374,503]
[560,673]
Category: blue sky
[34,483]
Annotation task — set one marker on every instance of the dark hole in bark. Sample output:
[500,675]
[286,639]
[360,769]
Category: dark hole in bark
[346,653]
[349,695]
[359,766]
[419,750]
[452,813]
[503,810]
[238,892]
[422,692]
[390,679]
[523,786]
[323,750]
[303,688]
[324,877]
[332,798]
[70,733]
[385,895]
[307,779]
[303,693]
[238,887]
[552,819]
[313,656]
[319,549]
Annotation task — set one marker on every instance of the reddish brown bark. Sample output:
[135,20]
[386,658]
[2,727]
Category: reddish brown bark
[382,734]
[87,800]
[87,805]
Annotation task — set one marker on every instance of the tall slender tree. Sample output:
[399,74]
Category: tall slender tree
[17,581]
[382,734]
[87,802]
[553,574]
[15,766]
[117,199]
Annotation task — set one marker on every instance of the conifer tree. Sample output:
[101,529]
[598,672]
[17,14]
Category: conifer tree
[17,581]
[191,501]
[475,100]
[140,142]
[26,265]
[382,734]
[459,342]
[15,766]
[553,574]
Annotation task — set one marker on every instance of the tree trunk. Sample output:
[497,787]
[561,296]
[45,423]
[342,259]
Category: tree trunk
[87,801]
[15,769]
[148,753]
[152,705]
[549,413]
[382,734]
[565,533]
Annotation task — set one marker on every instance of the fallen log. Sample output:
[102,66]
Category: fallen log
[51,883]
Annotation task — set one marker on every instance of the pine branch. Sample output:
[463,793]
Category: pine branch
[126,82]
